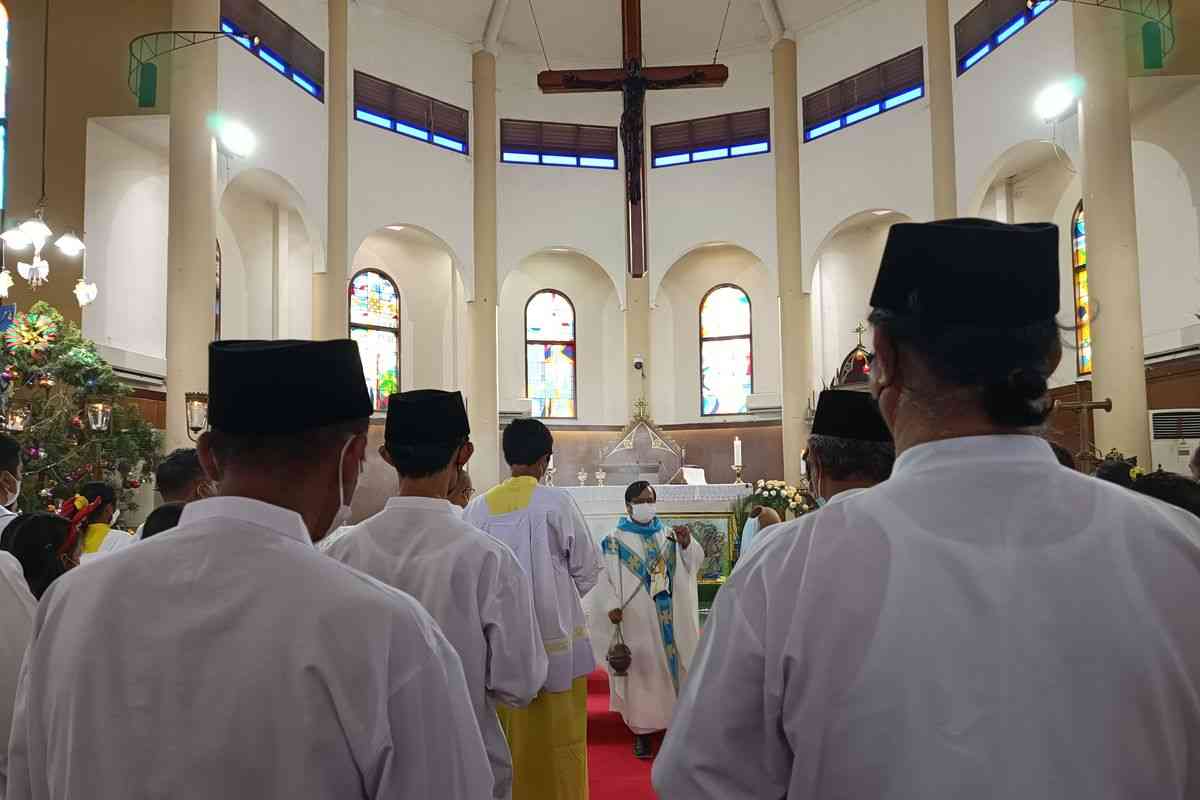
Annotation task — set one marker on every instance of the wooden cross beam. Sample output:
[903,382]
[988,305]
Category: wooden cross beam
[633,81]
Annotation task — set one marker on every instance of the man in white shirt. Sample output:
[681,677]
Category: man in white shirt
[471,583]
[986,623]
[17,607]
[227,657]
[545,529]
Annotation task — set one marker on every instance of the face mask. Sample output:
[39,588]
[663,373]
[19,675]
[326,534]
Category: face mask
[343,513]
[643,513]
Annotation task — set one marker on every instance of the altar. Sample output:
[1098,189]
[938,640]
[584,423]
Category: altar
[706,511]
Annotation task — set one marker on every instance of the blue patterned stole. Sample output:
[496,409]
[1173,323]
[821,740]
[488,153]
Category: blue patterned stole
[639,567]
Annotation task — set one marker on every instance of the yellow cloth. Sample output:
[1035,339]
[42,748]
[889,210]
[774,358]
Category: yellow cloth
[548,740]
[93,537]
[512,495]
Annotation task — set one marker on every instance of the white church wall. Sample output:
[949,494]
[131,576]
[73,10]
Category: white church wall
[296,299]
[251,220]
[422,271]
[599,333]
[884,162]
[235,300]
[398,180]
[291,127]
[993,101]
[1171,122]
[730,200]
[675,329]
[543,206]
[848,265]
[125,216]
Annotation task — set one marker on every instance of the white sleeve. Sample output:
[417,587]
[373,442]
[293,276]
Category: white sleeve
[583,554]
[16,781]
[692,557]
[722,731]
[432,746]
[517,661]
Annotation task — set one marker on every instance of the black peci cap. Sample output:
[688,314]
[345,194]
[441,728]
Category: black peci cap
[426,416]
[286,386]
[849,415]
[940,270]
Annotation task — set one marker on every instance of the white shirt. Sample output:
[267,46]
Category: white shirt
[551,540]
[474,588]
[7,515]
[985,624]
[227,658]
[17,606]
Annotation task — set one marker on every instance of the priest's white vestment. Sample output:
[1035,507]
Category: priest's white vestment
[645,698]
[477,592]
[984,624]
[227,658]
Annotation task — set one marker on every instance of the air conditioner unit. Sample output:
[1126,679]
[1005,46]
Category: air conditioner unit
[1175,435]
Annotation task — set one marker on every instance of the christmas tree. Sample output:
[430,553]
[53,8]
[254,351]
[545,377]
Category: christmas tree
[70,412]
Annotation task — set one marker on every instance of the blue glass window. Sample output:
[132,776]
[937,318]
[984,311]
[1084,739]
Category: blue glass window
[273,59]
[973,49]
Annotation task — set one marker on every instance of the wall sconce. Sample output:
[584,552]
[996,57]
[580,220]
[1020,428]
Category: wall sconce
[196,404]
[99,416]
[17,418]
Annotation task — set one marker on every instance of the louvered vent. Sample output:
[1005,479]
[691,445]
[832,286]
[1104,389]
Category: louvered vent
[1183,424]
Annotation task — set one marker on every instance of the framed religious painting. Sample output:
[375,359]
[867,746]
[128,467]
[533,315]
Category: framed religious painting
[715,531]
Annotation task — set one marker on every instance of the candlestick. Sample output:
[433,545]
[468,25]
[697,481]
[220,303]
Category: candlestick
[737,451]
[582,476]
[737,475]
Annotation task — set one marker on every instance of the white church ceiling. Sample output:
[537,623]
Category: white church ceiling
[587,32]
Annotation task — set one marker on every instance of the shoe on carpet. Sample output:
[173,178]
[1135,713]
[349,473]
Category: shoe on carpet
[642,748]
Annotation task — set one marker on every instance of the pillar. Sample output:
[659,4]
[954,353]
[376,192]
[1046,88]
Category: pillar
[330,304]
[795,311]
[1108,199]
[940,90]
[192,215]
[280,265]
[637,341]
[482,377]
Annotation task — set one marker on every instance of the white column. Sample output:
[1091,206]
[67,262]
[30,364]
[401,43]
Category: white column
[482,376]
[940,90]
[192,215]
[330,311]
[795,306]
[637,341]
[1108,199]
[280,265]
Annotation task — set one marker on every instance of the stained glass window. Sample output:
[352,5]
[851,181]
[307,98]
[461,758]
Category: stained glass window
[375,325]
[550,355]
[726,352]
[1083,316]
[3,105]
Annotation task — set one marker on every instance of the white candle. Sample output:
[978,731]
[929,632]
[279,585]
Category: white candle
[737,452]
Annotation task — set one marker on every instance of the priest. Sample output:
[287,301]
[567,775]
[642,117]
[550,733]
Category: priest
[550,537]
[228,658]
[652,573]
[471,583]
[982,624]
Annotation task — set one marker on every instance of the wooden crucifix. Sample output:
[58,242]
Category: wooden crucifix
[633,80]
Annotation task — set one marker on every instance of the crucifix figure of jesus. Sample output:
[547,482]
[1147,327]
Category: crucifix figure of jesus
[632,81]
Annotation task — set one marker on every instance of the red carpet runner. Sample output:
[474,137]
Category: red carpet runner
[613,772]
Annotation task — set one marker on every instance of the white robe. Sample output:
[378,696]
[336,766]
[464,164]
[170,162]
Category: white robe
[227,658]
[17,607]
[551,540]
[645,698]
[474,588]
[984,624]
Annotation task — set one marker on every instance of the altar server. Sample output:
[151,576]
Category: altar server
[986,623]
[229,658]
[545,529]
[471,583]
[651,573]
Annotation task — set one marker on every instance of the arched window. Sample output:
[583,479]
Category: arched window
[375,325]
[726,351]
[1083,317]
[550,355]
[3,106]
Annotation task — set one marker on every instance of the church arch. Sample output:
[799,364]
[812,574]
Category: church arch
[551,356]
[726,351]
[373,311]
[1045,171]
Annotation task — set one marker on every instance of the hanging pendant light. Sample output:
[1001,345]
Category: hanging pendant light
[34,231]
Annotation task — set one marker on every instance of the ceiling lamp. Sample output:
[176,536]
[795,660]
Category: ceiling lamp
[236,139]
[1056,100]
[85,292]
[34,232]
